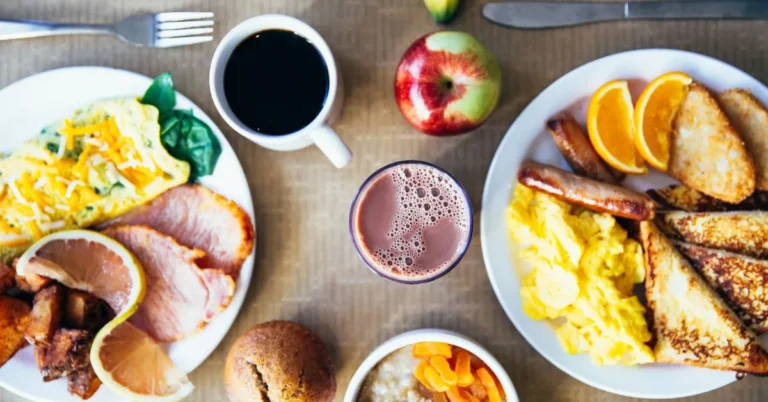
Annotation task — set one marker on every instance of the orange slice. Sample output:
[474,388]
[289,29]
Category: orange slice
[654,113]
[610,123]
[124,358]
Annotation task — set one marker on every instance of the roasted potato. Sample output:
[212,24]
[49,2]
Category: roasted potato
[69,352]
[85,311]
[14,318]
[32,283]
[7,278]
[83,383]
[46,315]
[40,352]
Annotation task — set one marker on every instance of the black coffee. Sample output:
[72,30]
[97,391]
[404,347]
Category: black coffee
[276,82]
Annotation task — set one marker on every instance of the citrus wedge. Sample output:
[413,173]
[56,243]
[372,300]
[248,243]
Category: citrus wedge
[124,358]
[654,113]
[91,262]
[610,123]
[131,363]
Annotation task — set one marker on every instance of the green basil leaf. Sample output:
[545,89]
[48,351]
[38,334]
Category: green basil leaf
[161,94]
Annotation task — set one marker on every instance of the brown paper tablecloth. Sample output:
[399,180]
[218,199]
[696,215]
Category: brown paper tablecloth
[306,268]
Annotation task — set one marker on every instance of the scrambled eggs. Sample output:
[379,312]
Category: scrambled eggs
[101,162]
[584,269]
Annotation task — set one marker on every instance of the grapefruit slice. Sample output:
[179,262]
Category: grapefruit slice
[91,262]
[124,358]
[131,363]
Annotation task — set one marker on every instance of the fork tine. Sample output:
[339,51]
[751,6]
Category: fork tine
[188,40]
[184,24]
[177,33]
[182,16]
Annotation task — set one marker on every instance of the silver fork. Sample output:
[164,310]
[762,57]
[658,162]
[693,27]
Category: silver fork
[153,30]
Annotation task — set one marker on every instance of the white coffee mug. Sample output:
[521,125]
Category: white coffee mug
[319,131]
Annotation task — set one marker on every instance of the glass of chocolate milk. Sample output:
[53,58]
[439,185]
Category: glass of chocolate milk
[411,222]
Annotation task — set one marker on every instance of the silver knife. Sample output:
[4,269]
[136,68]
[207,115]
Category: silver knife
[551,14]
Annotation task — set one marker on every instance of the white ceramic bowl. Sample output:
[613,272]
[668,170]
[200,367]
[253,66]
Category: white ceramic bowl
[428,335]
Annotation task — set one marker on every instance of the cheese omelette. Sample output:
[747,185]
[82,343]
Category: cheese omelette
[104,160]
[583,270]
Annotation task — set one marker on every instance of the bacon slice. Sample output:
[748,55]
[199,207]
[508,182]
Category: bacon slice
[588,193]
[180,297]
[199,218]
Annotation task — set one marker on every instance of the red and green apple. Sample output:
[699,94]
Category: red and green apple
[447,83]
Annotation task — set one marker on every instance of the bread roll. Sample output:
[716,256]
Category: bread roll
[279,361]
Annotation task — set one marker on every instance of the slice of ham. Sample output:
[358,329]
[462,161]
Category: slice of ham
[199,218]
[180,297]
[224,286]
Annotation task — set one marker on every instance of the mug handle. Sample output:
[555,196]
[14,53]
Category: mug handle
[332,146]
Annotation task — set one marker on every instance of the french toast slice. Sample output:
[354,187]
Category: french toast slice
[742,232]
[692,324]
[707,153]
[750,118]
[682,197]
[740,280]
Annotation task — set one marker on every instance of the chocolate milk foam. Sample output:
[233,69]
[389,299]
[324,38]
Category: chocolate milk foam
[411,222]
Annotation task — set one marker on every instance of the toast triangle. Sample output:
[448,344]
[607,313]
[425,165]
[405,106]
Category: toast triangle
[742,281]
[706,153]
[692,325]
[742,232]
[750,118]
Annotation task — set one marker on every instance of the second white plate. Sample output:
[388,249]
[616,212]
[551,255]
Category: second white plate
[527,138]
[34,102]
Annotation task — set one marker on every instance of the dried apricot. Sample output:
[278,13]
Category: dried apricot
[419,374]
[433,379]
[490,385]
[429,349]
[463,369]
[454,395]
[440,364]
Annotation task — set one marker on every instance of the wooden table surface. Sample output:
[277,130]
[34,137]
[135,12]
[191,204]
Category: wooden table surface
[306,268]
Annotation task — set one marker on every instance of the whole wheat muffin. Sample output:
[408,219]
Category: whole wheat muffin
[279,361]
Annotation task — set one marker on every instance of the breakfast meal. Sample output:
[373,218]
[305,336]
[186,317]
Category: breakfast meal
[638,218]
[703,242]
[279,361]
[431,372]
[411,222]
[105,232]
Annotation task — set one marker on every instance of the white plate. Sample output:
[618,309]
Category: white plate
[34,102]
[527,138]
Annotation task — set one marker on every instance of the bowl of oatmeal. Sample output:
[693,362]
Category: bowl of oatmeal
[430,365]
